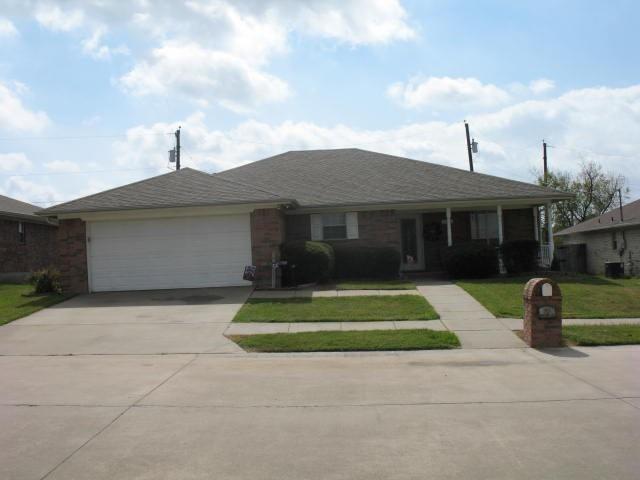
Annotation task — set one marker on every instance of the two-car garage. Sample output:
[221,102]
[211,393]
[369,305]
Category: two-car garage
[162,253]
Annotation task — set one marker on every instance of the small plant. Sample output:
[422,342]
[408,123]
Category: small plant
[46,280]
[471,260]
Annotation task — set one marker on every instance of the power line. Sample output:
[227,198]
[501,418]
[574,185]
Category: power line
[80,137]
[84,172]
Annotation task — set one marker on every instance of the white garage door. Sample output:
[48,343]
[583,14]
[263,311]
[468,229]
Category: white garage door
[169,253]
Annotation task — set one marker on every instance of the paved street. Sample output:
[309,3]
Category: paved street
[109,412]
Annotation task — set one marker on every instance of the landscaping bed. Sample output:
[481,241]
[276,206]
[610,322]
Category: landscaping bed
[17,301]
[337,309]
[595,335]
[376,285]
[584,296]
[344,341]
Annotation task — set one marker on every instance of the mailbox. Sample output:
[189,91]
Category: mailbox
[542,313]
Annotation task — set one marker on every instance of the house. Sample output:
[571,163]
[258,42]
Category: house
[27,241]
[608,238]
[192,229]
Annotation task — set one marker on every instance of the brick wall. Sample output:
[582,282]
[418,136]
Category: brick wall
[38,251]
[600,250]
[72,256]
[518,224]
[267,233]
[376,227]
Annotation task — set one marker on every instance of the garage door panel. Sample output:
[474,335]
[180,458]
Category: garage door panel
[169,253]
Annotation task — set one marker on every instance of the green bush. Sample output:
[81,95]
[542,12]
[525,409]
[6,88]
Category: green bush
[471,260]
[46,280]
[356,261]
[314,261]
[519,255]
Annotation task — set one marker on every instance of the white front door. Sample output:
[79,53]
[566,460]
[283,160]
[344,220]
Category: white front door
[412,244]
[164,253]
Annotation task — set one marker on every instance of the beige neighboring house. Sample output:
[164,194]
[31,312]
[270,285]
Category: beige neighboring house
[608,238]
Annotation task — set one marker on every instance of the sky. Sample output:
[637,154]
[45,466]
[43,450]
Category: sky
[91,91]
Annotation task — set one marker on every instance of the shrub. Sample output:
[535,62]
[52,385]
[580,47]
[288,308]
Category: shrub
[355,261]
[46,280]
[471,260]
[519,255]
[314,261]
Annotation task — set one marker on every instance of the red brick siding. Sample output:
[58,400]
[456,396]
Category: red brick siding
[38,251]
[267,233]
[518,224]
[376,227]
[72,256]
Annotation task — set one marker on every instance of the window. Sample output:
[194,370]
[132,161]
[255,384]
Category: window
[334,226]
[21,235]
[484,225]
[614,241]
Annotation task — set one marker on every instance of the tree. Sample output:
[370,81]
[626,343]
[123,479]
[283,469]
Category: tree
[595,190]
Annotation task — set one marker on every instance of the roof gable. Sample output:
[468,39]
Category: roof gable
[12,207]
[610,219]
[356,177]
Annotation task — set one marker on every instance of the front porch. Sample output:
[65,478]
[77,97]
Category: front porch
[425,234]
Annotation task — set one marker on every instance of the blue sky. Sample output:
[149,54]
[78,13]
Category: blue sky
[248,79]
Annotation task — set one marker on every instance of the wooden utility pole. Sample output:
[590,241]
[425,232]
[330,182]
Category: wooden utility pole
[620,201]
[544,157]
[178,148]
[466,127]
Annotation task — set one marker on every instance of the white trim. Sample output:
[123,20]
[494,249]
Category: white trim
[549,229]
[168,212]
[500,226]
[316,227]
[536,227]
[449,234]
[351,219]
[87,229]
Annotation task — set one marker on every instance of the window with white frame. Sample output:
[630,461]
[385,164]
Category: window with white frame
[334,226]
[22,238]
[484,225]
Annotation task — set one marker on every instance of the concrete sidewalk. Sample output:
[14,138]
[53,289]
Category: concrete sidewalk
[474,325]
[293,327]
[320,292]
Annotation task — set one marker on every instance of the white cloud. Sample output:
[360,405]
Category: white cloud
[7,28]
[62,166]
[14,162]
[14,115]
[446,93]
[55,18]
[41,194]
[542,85]
[581,124]
[204,76]
[94,47]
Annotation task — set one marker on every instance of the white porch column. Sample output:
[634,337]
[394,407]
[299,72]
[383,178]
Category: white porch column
[549,229]
[536,227]
[449,237]
[500,232]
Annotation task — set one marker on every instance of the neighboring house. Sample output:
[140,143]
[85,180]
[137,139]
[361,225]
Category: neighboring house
[193,229]
[27,241]
[608,238]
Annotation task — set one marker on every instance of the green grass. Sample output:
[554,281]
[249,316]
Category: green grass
[584,296]
[593,335]
[345,341]
[336,309]
[17,300]
[376,285]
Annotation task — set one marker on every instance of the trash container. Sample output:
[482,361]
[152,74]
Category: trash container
[614,269]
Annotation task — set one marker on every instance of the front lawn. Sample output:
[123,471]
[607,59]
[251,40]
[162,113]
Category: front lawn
[368,340]
[592,335]
[17,300]
[584,296]
[376,285]
[336,309]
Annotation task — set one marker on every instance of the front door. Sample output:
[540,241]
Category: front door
[411,244]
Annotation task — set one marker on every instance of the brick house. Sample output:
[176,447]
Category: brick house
[193,229]
[27,241]
[609,238]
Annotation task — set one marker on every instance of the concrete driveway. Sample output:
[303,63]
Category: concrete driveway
[118,409]
[146,322]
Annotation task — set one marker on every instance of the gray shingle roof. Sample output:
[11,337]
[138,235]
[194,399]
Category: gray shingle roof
[608,220]
[183,188]
[359,177]
[10,207]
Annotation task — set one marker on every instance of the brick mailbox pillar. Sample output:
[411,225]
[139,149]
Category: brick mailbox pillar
[542,313]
